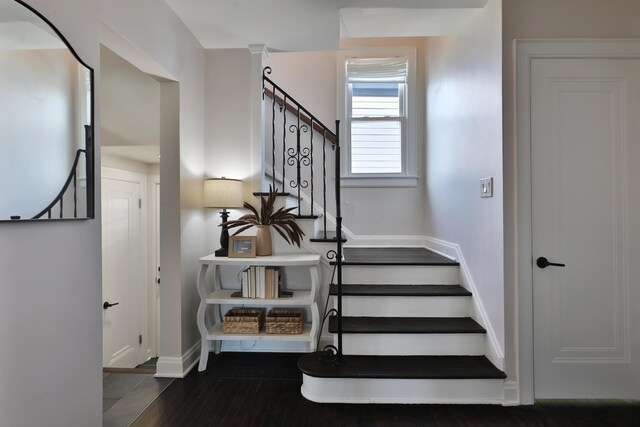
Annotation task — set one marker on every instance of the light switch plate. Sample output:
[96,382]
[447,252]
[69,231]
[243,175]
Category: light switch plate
[486,187]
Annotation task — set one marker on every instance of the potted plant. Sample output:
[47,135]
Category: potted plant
[282,221]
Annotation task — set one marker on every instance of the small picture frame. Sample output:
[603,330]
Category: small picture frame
[242,246]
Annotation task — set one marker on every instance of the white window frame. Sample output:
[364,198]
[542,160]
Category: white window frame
[408,177]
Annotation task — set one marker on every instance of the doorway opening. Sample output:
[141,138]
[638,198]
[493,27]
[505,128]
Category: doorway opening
[130,166]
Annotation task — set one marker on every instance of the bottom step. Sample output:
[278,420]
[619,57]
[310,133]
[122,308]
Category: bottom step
[402,379]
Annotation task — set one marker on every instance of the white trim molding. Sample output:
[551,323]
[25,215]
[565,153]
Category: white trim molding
[525,51]
[178,367]
[408,177]
[511,394]
[453,251]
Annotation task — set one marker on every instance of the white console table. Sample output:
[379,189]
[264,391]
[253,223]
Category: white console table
[211,328]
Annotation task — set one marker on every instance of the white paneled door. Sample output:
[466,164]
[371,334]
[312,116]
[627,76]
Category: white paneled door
[585,157]
[123,267]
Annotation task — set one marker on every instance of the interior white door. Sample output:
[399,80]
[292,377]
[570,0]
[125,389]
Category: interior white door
[122,273]
[585,148]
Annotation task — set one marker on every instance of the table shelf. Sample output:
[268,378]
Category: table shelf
[299,298]
[216,333]
[210,322]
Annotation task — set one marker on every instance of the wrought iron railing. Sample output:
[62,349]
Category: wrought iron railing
[59,199]
[294,159]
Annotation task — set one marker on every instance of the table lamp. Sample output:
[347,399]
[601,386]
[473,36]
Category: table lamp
[223,193]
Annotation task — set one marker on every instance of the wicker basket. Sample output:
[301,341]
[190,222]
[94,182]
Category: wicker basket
[243,321]
[285,321]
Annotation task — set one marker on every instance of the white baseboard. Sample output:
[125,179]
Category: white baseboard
[493,351]
[442,247]
[387,241]
[178,367]
[511,394]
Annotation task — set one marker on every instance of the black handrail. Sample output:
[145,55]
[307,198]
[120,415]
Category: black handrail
[265,72]
[60,196]
[299,156]
[338,241]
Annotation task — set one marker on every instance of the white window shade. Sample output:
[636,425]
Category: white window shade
[376,146]
[377,69]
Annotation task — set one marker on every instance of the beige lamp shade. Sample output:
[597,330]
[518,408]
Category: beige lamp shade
[222,193]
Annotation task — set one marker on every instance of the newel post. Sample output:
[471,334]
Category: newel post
[258,55]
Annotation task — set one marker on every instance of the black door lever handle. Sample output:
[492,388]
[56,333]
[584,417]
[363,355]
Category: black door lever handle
[542,262]
[107,304]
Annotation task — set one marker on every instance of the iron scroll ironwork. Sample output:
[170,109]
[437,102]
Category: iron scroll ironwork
[297,158]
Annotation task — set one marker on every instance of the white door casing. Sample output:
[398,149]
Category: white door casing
[580,217]
[574,149]
[124,268]
[153,300]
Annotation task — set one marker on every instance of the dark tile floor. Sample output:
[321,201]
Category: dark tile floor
[126,395]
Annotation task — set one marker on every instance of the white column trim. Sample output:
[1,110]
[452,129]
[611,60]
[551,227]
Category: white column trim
[178,367]
[258,54]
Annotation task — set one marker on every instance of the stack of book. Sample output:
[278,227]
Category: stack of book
[260,282]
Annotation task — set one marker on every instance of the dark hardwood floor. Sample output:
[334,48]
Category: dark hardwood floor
[268,394]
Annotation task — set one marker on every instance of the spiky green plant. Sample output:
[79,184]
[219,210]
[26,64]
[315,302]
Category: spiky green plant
[282,220]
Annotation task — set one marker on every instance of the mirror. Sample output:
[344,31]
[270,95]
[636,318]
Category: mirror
[46,125]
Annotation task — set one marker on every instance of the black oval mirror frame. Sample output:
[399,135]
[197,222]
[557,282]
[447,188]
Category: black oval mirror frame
[65,204]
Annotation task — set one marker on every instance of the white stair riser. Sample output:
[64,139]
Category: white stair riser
[405,274]
[363,306]
[308,226]
[413,344]
[372,390]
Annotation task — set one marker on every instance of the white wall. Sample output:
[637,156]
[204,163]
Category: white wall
[464,144]
[228,126]
[50,291]
[310,77]
[130,103]
[123,163]
[544,19]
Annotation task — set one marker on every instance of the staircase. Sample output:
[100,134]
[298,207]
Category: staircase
[408,335]
[402,325]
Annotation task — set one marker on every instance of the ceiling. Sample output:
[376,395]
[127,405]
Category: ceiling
[142,153]
[304,25]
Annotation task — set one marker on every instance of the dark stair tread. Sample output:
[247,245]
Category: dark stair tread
[401,290]
[330,237]
[401,367]
[394,256]
[406,325]
[306,216]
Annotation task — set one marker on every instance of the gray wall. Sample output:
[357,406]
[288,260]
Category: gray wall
[50,290]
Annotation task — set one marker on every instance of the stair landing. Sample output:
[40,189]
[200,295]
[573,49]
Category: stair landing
[394,256]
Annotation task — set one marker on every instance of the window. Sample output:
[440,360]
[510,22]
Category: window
[377,116]
[380,141]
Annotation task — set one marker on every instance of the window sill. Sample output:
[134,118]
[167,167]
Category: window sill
[379,181]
